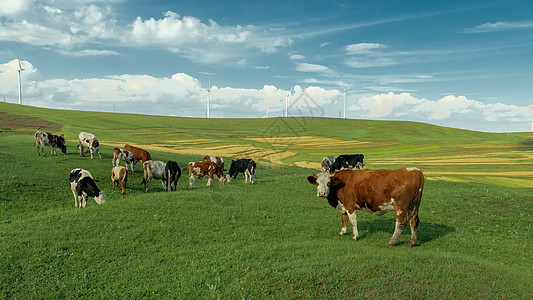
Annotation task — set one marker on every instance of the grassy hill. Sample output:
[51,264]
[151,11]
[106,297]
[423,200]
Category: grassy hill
[443,153]
[274,239]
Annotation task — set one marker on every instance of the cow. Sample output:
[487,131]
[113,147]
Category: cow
[119,177]
[348,161]
[154,169]
[42,139]
[374,191]
[244,165]
[83,185]
[172,174]
[124,155]
[89,141]
[216,159]
[138,154]
[327,163]
[201,168]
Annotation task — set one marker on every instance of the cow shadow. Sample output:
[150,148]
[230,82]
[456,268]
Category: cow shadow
[427,231]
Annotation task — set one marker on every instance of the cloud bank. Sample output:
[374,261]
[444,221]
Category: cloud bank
[182,95]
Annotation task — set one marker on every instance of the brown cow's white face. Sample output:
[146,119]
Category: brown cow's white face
[322,182]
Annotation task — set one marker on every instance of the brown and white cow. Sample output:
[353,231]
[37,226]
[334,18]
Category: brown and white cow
[216,159]
[42,139]
[119,177]
[201,168]
[138,154]
[124,155]
[374,191]
[89,141]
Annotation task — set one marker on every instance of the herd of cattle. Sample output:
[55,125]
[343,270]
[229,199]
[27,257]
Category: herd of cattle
[343,181]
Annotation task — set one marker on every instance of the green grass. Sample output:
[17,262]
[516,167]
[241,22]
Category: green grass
[275,239]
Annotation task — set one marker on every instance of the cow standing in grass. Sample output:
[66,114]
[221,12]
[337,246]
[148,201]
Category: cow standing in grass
[202,168]
[119,177]
[246,166]
[374,191]
[124,155]
[42,139]
[89,141]
[216,159]
[154,169]
[83,186]
[172,174]
[138,154]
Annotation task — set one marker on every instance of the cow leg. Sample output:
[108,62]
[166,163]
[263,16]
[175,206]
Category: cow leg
[344,217]
[91,150]
[209,181]
[414,229]
[164,183]
[401,221]
[99,154]
[146,183]
[133,164]
[75,199]
[353,220]
[122,187]
[114,184]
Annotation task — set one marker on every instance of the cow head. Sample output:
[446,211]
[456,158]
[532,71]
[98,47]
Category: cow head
[101,198]
[324,182]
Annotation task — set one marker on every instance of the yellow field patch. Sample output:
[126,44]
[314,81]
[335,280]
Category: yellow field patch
[308,164]
[311,142]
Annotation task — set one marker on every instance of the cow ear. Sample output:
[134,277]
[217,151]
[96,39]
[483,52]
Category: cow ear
[311,179]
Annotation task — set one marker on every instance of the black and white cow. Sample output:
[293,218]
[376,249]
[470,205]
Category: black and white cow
[42,139]
[348,161]
[82,185]
[244,165]
[172,174]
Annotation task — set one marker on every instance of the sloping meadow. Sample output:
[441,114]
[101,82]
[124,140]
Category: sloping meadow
[273,239]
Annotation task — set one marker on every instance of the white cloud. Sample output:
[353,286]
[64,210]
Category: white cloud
[297,57]
[88,52]
[357,62]
[500,26]
[362,48]
[450,109]
[305,67]
[79,24]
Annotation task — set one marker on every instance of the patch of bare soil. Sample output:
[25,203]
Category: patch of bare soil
[15,124]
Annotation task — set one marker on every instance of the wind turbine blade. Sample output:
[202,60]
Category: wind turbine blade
[349,86]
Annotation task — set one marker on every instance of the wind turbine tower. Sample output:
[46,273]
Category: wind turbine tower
[287,102]
[19,70]
[345,90]
[208,97]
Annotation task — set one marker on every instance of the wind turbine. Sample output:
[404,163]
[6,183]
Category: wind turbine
[287,102]
[345,91]
[207,112]
[20,69]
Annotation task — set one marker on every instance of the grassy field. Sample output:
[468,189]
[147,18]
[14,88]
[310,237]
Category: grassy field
[275,239]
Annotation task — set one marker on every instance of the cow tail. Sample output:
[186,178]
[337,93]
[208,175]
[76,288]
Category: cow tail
[145,171]
[415,204]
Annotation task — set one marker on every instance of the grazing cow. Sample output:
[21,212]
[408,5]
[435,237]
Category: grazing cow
[49,139]
[82,185]
[138,154]
[89,141]
[201,168]
[216,159]
[119,177]
[172,174]
[374,191]
[154,169]
[121,154]
[348,161]
[244,165]
[327,163]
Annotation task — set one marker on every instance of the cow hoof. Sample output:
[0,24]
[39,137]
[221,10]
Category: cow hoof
[354,238]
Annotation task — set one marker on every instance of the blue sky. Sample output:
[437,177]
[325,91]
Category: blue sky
[464,64]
